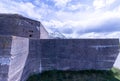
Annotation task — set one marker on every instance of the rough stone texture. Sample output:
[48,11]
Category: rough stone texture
[25,49]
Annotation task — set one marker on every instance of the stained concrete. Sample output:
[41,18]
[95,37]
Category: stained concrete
[19,54]
[19,26]
[78,54]
[5,48]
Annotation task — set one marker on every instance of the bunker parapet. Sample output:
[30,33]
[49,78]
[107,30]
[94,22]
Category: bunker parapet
[78,54]
[25,48]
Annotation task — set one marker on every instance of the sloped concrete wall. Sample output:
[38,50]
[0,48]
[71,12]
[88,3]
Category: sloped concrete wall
[18,58]
[19,54]
[78,54]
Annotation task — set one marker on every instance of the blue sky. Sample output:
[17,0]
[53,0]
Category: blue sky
[73,18]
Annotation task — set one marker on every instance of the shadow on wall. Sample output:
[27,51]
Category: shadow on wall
[32,63]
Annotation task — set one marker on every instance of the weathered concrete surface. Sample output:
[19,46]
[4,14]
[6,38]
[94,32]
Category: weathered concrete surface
[18,58]
[19,54]
[17,25]
[43,33]
[81,54]
[25,49]
[5,48]
[11,24]
[32,63]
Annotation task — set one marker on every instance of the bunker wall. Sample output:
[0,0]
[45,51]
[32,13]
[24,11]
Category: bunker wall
[5,48]
[32,64]
[78,54]
[19,26]
[19,54]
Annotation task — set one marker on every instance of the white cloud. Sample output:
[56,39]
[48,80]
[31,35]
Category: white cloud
[101,35]
[37,2]
[102,3]
[84,18]
[80,21]
[27,9]
[78,7]
[24,8]
[99,4]
[75,7]
[109,2]
[53,23]
[61,3]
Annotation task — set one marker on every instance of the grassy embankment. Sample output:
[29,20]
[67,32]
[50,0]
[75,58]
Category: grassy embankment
[87,75]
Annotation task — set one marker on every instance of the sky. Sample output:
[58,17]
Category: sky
[73,18]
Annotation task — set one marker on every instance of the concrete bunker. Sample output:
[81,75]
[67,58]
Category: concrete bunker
[30,50]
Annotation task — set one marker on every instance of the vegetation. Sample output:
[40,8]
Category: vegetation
[86,75]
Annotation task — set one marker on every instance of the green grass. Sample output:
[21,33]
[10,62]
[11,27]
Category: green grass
[86,75]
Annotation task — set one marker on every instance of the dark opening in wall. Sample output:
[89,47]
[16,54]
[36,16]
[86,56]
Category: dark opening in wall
[30,35]
[31,31]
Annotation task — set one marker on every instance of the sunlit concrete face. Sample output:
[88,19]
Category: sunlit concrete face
[19,54]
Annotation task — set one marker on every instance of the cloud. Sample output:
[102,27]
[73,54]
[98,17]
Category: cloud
[99,4]
[36,10]
[102,3]
[61,3]
[89,23]
[99,35]
[110,25]
[66,30]
[24,8]
[74,18]
[77,7]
